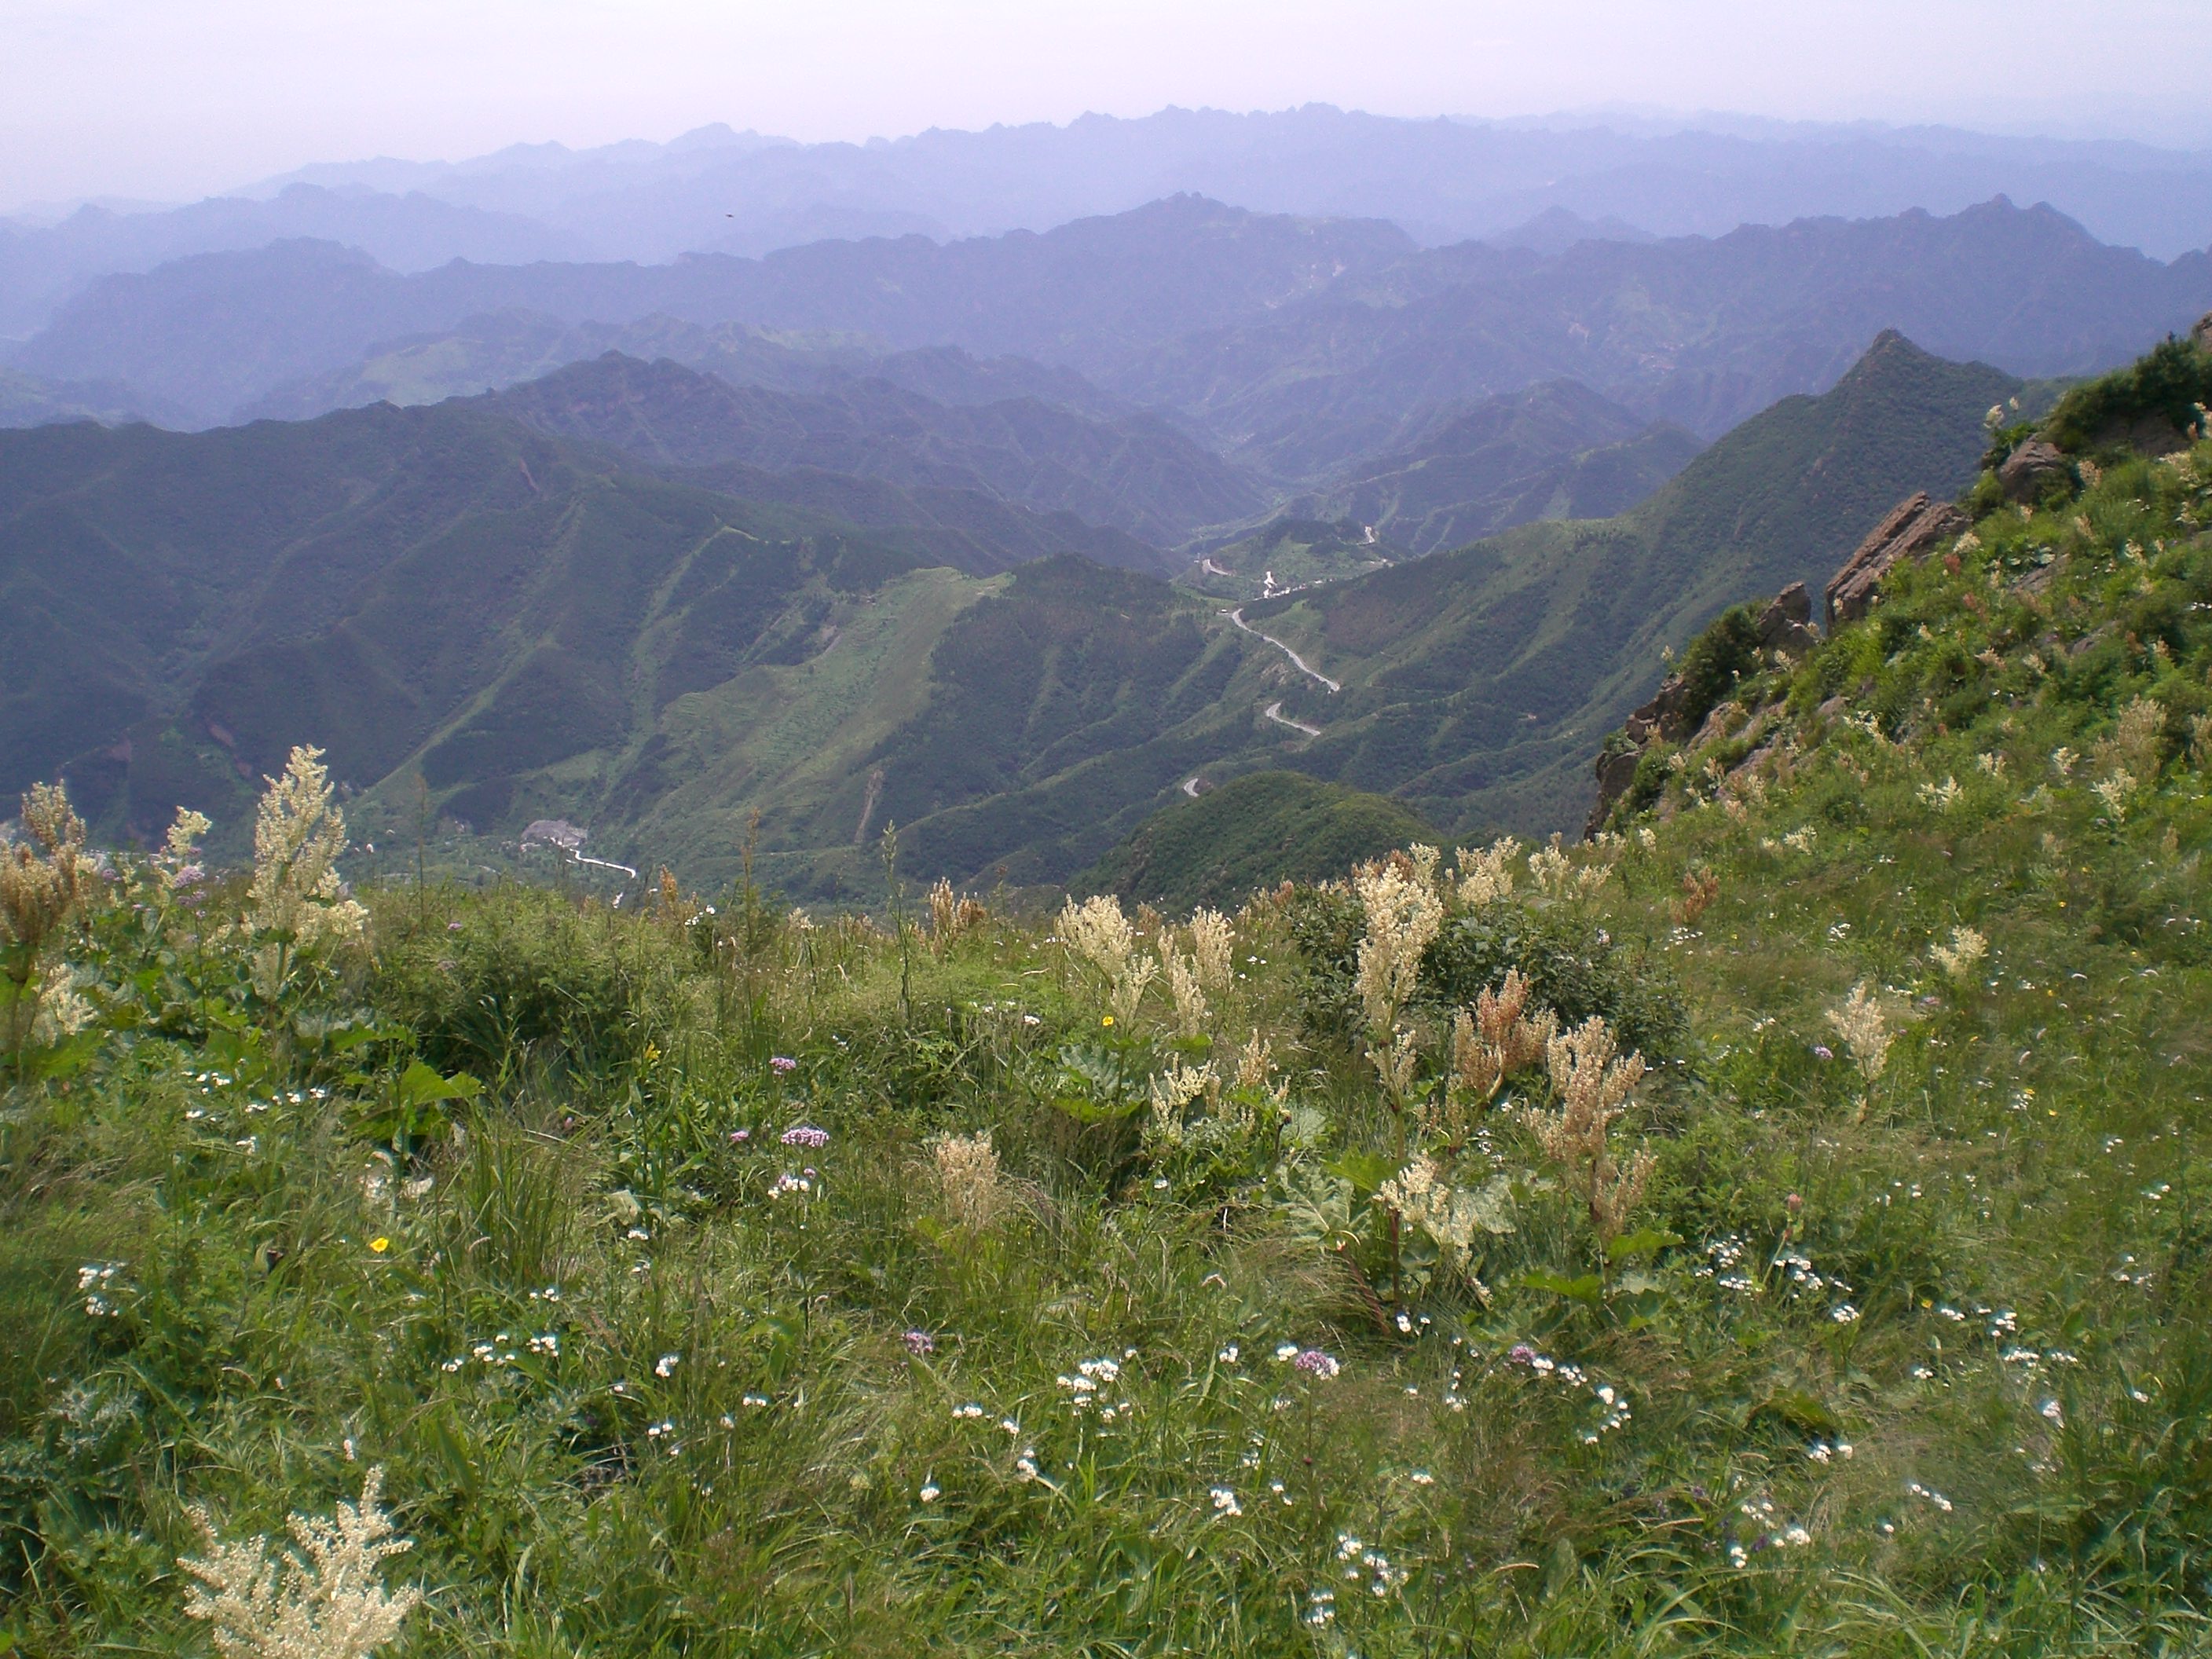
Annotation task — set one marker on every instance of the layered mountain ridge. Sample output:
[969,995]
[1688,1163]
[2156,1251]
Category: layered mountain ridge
[467,610]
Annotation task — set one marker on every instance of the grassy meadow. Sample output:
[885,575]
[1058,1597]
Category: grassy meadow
[707,1278]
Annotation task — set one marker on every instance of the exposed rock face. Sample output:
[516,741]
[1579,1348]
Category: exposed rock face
[1784,625]
[2202,332]
[2029,467]
[1784,629]
[1913,527]
[1615,774]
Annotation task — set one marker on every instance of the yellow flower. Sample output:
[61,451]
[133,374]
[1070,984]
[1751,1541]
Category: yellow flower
[1108,1020]
[652,1052]
[379,1245]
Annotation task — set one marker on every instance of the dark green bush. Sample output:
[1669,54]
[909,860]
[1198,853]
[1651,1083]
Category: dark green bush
[526,973]
[1573,965]
[2171,382]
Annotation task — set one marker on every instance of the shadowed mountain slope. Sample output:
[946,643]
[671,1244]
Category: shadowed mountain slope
[538,627]
[1552,451]
[1135,473]
[1474,681]
[1255,831]
[444,587]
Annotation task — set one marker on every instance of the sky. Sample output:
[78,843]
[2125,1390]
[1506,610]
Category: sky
[152,100]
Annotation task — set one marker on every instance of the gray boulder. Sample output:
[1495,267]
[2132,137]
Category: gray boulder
[1909,531]
[2029,467]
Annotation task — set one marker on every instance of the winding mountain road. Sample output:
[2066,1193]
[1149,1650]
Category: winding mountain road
[1273,711]
[1297,661]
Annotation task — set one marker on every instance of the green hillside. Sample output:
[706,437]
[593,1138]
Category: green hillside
[523,627]
[1476,681]
[1133,473]
[1252,832]
[1552,451]
[1320,1278]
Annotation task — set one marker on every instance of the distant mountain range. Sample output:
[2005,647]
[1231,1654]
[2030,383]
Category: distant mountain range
[455,600]
[1297,347]
[1532,184]
[1135,473]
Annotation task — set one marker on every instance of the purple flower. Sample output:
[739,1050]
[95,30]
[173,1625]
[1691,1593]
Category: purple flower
[1521,1353]
[1822,1051]
[919,1343]
[190,876]
[739,1137]
[453,926]
[1314,1362]
[781,1064]
[805,1134]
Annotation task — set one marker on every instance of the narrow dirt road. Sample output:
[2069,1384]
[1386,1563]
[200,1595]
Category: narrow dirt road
[1297,661]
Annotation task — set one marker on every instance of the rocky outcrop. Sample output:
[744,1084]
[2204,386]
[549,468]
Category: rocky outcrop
[1666,717]
[1911,528]
[1784,632]
[2029,468]
[2202,332]
[1784,629]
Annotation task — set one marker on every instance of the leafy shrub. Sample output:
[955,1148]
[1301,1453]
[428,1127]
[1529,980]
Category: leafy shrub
[1573,965]
[2172,382]
[524,973]
[1717,659]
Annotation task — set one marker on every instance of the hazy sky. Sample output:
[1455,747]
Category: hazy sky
[159,99]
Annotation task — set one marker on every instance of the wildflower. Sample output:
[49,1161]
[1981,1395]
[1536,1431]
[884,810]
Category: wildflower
[1213,947]
[43,877]
[739,1137]
[1171,1091]
[1941,796]
[968,1181]
[1487,875]
[296,903]
[782,1064]
[1864,1030]
[1100,934]
[1451,1216]
[805,1134]
[930,1491]
[178,861]
[1286,1350]
[1966,950]
[2115,792]
[378,1246]
[1594,1088]
[1402,915]
[1822,1051]
[1314,1362]
[1843,1313]
[664,1367]
[1228,1355]
[323,1602]
[919,1343]
[1499,1037]
[2136,743]
[1225,1501]
[1188,994]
